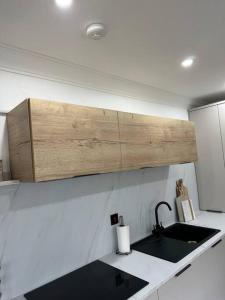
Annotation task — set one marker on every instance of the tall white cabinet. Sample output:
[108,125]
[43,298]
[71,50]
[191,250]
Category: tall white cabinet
[210,168]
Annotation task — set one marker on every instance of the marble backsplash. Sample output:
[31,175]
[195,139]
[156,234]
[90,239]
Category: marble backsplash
[49,229]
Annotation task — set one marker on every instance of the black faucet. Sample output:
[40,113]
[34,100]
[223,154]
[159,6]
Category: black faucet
[158,227]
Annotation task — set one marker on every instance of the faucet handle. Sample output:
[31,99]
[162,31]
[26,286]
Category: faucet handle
[161,225]
[156,229]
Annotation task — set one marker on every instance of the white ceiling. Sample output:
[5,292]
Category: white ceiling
[146,39]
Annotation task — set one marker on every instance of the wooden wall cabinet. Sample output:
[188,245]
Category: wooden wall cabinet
[52,140]
[154,141]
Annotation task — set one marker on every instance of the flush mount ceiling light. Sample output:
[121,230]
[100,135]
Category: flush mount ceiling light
[188,62]
[96,31]
[64,3]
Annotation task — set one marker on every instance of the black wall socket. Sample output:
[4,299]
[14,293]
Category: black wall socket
[114,219]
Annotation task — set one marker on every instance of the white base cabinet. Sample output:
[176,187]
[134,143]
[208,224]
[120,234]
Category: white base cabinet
[154,296]
[204,280]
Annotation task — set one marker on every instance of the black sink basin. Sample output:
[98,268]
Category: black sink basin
[189,233]
[175,242]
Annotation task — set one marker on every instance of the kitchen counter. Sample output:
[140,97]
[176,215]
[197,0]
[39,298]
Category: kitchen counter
[157,271]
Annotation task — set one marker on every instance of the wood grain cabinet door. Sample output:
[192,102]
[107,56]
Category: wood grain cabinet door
[148,141]
[71,140]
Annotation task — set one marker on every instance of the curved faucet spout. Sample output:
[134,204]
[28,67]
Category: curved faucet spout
[158,227]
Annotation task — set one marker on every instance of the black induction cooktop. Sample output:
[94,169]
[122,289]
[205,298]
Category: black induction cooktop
[96,280]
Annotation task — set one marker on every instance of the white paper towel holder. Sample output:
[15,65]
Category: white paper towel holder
[121,221]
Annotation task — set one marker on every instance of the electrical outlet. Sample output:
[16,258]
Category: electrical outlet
[114,219]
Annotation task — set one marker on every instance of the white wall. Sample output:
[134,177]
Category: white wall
[35,64]
[49,229]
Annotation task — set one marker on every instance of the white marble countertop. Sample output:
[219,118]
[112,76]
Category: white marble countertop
[157,271]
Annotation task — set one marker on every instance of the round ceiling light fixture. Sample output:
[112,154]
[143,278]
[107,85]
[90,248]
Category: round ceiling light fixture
[96,31]
[188,62]
[64,3]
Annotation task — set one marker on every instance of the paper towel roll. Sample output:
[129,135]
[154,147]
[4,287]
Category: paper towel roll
[123,236]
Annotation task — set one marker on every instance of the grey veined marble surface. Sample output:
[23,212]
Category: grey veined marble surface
[49,229]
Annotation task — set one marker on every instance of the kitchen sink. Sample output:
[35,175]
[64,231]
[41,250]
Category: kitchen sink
[175,241]
[189,233]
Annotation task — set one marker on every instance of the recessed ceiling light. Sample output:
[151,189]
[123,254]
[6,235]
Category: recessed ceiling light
[188,62]
[64,3]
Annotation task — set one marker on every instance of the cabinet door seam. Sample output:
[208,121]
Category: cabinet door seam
[221,136]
